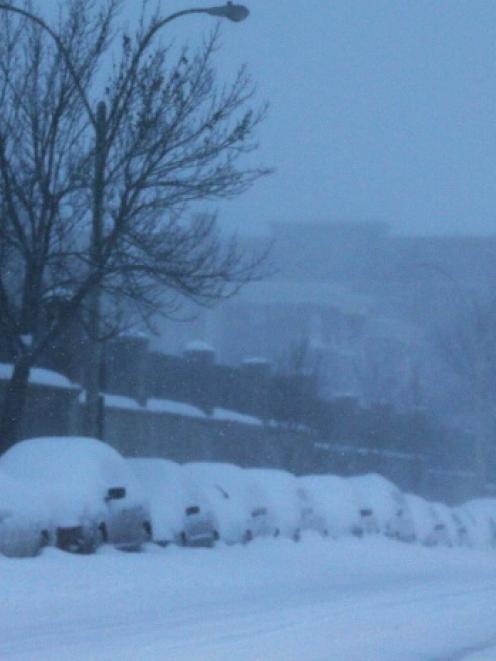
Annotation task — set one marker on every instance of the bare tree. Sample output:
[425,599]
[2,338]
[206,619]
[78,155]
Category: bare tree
[165,135]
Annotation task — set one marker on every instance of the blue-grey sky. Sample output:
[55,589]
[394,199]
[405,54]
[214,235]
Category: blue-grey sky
[380,109]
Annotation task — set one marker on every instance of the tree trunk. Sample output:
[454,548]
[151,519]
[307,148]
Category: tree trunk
[13,404]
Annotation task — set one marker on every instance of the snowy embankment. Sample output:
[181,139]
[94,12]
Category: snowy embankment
[274,600]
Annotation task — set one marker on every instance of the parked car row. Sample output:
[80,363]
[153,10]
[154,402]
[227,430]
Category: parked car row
[79,493]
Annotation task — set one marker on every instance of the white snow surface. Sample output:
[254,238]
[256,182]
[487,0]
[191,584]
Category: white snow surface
[234,416]
[176,408]
[120,402]
[39,376]
[273,600]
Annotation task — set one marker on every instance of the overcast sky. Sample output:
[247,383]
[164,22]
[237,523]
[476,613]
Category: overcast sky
[380,109]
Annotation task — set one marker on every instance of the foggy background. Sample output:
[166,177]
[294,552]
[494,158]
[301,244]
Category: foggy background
[381,207]
[379,110]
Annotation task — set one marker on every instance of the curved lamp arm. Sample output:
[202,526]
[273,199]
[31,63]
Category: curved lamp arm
[63,50]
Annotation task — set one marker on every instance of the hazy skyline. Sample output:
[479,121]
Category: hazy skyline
[379,110]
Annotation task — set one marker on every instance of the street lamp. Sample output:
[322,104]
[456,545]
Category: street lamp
[99,121]
[233,12]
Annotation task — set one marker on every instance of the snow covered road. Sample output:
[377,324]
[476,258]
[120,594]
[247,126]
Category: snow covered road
[272,600]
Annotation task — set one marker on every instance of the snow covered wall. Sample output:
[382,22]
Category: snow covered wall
[182,432]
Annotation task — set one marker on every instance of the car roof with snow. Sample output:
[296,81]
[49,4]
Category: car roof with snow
[76,464]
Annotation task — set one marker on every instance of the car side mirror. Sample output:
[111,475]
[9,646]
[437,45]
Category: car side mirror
[116,493]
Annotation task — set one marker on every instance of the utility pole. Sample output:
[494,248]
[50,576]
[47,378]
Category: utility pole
[93,423]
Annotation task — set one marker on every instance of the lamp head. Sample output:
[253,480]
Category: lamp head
[230,11]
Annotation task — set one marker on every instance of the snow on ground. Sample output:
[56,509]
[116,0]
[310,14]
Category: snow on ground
[272,600]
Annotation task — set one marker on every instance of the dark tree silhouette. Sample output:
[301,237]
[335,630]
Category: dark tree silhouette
[96,189]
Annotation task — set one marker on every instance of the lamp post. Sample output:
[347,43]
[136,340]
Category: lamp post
[232,12]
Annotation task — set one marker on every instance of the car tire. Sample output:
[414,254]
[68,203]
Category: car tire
[147,527]
[44,539]
[248,536]
[100,538]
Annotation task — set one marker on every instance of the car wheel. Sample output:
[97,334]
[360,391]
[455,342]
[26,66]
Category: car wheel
[248,536]
[100,538]
[147,527]
[182,539]
[44,538]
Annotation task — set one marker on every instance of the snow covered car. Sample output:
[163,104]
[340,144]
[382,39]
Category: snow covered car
[483,515]
[444,530]
[180,510]
[228,490]
[336,502]
[425,521]
[93,496]
[24,518]
[463,526]
[277,489]
[311,518]
[387,504]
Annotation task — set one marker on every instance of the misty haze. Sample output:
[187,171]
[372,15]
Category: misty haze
[248,330]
